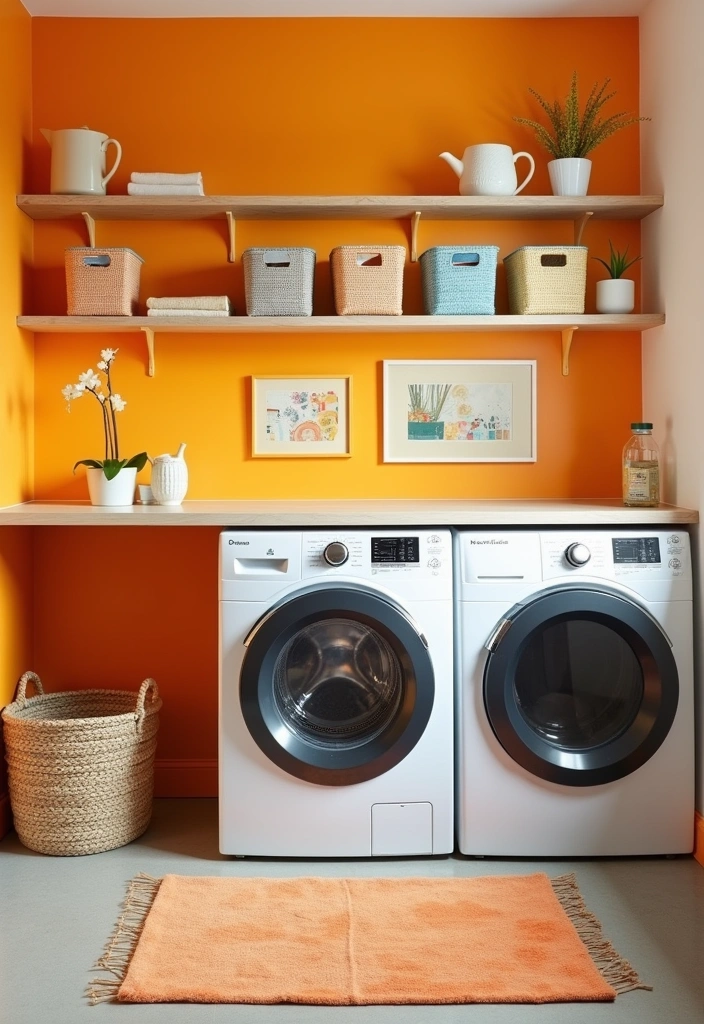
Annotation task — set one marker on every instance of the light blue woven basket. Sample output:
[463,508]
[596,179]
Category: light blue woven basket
[459,279]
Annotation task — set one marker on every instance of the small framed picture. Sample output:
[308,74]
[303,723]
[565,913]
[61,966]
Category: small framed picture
[464,410]
[301,416]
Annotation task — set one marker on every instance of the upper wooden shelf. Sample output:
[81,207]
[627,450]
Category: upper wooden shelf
[322,513]
[339,207]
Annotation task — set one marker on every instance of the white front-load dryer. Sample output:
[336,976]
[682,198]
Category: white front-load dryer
[574,692]
[336,693]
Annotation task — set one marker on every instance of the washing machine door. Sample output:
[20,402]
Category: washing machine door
[580,685]
[337,684]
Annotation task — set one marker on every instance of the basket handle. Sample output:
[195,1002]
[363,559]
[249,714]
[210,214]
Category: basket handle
[21,694]
[140,711]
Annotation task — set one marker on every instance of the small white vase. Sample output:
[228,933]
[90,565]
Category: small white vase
[169,479]
[569,176]
[615,295]
[118,491]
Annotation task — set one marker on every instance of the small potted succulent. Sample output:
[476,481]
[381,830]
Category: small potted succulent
[575,134]
[111,481]
[616,293]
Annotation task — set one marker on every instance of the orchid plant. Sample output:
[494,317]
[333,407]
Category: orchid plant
[110,405]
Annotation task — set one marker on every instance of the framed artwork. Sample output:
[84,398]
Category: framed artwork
[464,410]
[301,416]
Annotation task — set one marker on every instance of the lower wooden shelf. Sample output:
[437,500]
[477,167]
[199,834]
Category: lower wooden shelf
[565,325]
[375,512]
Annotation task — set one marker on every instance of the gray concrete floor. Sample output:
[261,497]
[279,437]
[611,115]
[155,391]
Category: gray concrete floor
[56,914]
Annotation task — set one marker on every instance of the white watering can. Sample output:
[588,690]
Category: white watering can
[170,477]
[489,170]
[78,161]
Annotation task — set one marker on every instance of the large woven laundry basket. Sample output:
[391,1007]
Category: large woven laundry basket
[81,766]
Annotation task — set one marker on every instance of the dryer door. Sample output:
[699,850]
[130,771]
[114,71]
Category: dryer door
[580,686]
[337,685]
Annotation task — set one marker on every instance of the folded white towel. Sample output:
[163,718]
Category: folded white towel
[187,312]
[164,190]
[162,178]
[199,302]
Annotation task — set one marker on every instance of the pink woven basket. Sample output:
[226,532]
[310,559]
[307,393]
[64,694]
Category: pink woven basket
[368,279]
[102,282]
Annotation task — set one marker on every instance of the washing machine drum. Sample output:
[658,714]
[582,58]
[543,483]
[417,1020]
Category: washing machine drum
[337,685]
[580,686]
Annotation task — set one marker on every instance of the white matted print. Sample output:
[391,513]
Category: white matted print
[301,416]
[464,410]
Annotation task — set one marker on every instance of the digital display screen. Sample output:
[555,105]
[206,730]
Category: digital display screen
[395,549]
[636,550]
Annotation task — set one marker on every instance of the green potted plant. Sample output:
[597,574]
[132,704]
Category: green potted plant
[574,134]
[111,481]
[616,294]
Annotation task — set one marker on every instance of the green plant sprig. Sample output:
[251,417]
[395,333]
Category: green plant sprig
[618,261]
[575,135]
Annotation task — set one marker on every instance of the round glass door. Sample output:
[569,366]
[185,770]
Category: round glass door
[337,685]
[582,688]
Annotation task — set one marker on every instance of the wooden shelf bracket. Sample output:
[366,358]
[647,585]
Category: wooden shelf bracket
[579,226]
[90,225]
[415,220]
[231,234]
[149,336]
[567,336]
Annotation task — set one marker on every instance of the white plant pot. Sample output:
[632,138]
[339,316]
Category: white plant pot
[615,295]
[570,176]
[118,491]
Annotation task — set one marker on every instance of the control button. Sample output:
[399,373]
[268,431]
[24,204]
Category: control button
[336,553]
[434,563]
[578,554]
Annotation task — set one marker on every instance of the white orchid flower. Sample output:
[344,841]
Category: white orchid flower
[71,391]
[107,355]
[102,365]
[117,403]
[100,396]
[89,380]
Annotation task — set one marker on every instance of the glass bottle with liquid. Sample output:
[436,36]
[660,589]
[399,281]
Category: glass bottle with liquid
[641,471]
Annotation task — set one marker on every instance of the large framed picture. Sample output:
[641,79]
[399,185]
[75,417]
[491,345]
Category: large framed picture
[301,416]
[463,410]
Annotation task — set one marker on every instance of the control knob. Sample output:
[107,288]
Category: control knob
[578,554]
[336,553]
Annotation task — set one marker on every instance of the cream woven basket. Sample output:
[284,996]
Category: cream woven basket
[544,279]
[81,766]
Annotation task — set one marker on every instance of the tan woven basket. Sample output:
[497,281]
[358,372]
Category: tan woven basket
[368,279]
[81,766]
[102,282]
[544,279]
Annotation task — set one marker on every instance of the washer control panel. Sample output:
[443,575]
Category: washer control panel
[378,554]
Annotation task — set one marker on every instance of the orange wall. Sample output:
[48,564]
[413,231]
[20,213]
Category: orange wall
[318,106]
[16,373]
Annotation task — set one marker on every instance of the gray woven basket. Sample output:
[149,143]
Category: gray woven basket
[81,766]
[544,279]
[368,279]
[102,282]
[279,282]
[459,280]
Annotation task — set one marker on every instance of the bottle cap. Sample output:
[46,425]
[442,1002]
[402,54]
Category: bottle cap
[641,426]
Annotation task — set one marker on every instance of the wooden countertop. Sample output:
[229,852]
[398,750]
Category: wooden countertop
[349,512]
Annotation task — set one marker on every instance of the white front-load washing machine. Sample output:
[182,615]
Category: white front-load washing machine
[336,693]
[574,692]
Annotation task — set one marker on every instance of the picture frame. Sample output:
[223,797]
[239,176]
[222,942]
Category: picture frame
[301,417]
[459,410]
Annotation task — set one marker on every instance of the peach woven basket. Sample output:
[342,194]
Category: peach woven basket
[102,282]
[368,279]
[81,766]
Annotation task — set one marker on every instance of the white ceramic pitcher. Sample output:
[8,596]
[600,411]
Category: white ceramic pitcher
[78,161]
[170,478]
[488,169]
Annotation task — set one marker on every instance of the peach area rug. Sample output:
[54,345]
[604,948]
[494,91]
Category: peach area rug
[354,941]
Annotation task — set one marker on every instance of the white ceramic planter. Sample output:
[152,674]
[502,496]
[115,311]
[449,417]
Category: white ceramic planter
[615,295]
[570,176]
[118,491]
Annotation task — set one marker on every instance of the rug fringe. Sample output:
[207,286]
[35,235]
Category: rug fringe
[612,967]
[141,893]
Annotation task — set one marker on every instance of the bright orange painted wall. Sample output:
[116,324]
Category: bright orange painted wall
[299,106]
[16,373]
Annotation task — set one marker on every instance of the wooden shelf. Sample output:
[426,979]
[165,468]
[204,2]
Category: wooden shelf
[377,512]
[339,207]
